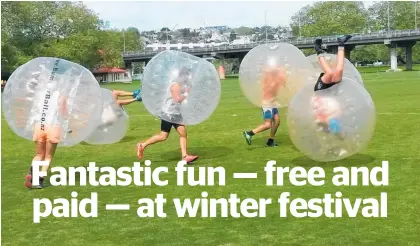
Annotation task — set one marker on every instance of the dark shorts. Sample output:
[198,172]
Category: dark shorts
[321,85]
[166,126]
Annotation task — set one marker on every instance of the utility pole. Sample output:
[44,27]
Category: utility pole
[265,20]
[300,27]
[388,18]
[415,15]
[124,38]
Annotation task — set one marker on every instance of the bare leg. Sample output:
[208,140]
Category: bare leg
[275,126]
[263,127]
[49,155]
[40,151]
[182,131]
[116,94]
[338,73]
[126,101]
[324,64]
[162,136]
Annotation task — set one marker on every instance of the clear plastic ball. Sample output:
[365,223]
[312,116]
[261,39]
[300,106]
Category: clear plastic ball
[331,124]
[271,74]
[113,124]
[52,92]
[180,88]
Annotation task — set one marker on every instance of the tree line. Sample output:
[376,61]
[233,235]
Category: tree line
[68,30]
[71,31]
[334,18]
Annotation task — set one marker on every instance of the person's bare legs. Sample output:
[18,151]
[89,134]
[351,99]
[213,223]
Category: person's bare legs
[338,73]
[117,93]
[182,131]
[126,101]
[40,149]
[331,76]
[263,127]
[49,155]
[275,125]
[160,137]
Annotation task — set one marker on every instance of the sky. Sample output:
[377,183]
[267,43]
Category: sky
[148,15]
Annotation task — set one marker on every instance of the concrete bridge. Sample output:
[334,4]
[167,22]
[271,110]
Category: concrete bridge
[393,39]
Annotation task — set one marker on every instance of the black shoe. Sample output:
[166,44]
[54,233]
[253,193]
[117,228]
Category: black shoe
[40,185]
[343,39]
[318,46]
[271,143]
[248,137]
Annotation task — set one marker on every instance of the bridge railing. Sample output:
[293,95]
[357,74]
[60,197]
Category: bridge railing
[298,41]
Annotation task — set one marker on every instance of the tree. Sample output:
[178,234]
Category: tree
[401,15]
[185,32]
[330,18]
[34,29]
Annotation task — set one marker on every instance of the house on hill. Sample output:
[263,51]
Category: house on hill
[107,74]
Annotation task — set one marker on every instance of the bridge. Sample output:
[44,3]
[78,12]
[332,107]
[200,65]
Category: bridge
[393,39]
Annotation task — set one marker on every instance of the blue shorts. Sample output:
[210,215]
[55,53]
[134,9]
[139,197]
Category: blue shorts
[269,113]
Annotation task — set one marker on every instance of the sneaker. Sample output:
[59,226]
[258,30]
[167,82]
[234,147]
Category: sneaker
[28,180]
[248,137]
[190,158]
[136,93]
[138,97]
[39,186]
[318,46]
[272,144]
[343,39]
[140,150]
[29,185]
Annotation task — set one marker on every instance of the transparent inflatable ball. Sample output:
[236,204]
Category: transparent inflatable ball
[331,124]
[180,88]
[113,124]
[271,74]
[53,96]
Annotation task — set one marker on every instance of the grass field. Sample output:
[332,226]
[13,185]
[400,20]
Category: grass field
[219,142]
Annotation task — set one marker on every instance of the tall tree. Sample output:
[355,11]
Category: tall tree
[330,18]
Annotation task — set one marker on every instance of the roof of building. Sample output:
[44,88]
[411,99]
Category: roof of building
[109,70]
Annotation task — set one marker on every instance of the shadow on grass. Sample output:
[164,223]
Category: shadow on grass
[355,160]
[204,153]
[127,139]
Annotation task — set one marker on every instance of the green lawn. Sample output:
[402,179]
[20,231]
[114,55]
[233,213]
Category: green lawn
[219,142]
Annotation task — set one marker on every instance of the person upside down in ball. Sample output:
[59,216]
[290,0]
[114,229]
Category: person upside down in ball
[327,112]
[47,133]
[330,76]
[274,78]
[171,112]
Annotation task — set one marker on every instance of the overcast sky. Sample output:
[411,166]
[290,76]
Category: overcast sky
[158,14]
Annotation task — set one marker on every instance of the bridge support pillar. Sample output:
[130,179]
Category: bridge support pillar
[393,54]
[129,69]
[408,54]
